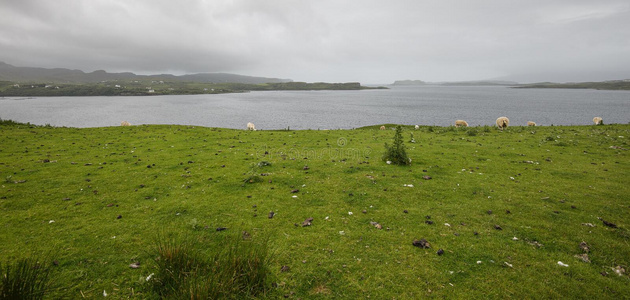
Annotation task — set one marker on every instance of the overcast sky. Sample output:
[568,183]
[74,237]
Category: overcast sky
[325,40]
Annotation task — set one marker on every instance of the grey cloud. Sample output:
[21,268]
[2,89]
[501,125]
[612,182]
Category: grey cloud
[368,41]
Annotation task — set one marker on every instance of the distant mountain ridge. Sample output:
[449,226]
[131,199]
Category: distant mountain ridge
[62,75]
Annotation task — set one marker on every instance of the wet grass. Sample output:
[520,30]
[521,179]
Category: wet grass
[99,199]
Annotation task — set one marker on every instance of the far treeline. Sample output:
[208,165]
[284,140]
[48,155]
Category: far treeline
[153,87]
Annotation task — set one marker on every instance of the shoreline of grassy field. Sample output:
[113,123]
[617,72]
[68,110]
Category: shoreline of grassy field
[505,207]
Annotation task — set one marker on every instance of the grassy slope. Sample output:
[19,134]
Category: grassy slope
[187,188]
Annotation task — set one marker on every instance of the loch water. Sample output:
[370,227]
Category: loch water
[422,105]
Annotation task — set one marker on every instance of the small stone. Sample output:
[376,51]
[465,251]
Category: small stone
[426,177]
[619,270]
[307,222]
[497,227]
[406,211]
[305,168]
[562,264]
[584,257]
[584,246]
[476,233]
[295,191]
[119,217]
[271,214]
[428,222]
[364,211]
[421,243]
[440,252]
[507,212]
[135,265]
[489,212]
[221,228]
[284,269]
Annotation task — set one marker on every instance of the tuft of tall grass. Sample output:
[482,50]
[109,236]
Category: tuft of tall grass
[189,269]
[24,279]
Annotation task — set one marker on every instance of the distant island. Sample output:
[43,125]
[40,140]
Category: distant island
[602,85]
[29,82]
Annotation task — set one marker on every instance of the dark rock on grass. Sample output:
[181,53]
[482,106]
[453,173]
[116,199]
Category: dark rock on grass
[406,211]
[497,227]
[421,243]
[507,212]
[364,211]
[295,191]
[119,217]
[429,222]
[284,269]
[271,214]
[305,168]
[428,217]
[221,228]
[66,199]
[489,212]
[584,247]
[307,222]
[609,224]
[476,233]
[440,252]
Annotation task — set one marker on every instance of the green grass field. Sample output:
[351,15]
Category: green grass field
[505,208]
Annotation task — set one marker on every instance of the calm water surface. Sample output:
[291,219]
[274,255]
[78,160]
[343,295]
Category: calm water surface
[426,105]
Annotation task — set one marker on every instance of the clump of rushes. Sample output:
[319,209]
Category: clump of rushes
[396,153]
[24,279]
[187,270]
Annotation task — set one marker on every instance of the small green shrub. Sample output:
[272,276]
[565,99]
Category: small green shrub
[25,279]
[396,153]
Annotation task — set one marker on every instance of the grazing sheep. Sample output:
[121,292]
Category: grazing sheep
[125,123]
[417,127]
[598,121]
[383,127]
[250,126]
[503,122]
[531,123]
[461,123]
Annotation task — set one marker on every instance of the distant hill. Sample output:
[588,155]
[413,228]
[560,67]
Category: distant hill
[600,85]
[455,83]
[409,82]
[61,75]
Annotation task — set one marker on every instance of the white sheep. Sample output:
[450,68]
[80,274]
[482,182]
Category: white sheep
[461,123]
[531,123]
[125,123]
[417,127]
[383,127]
[503,122]
[250,126]
[598,121]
